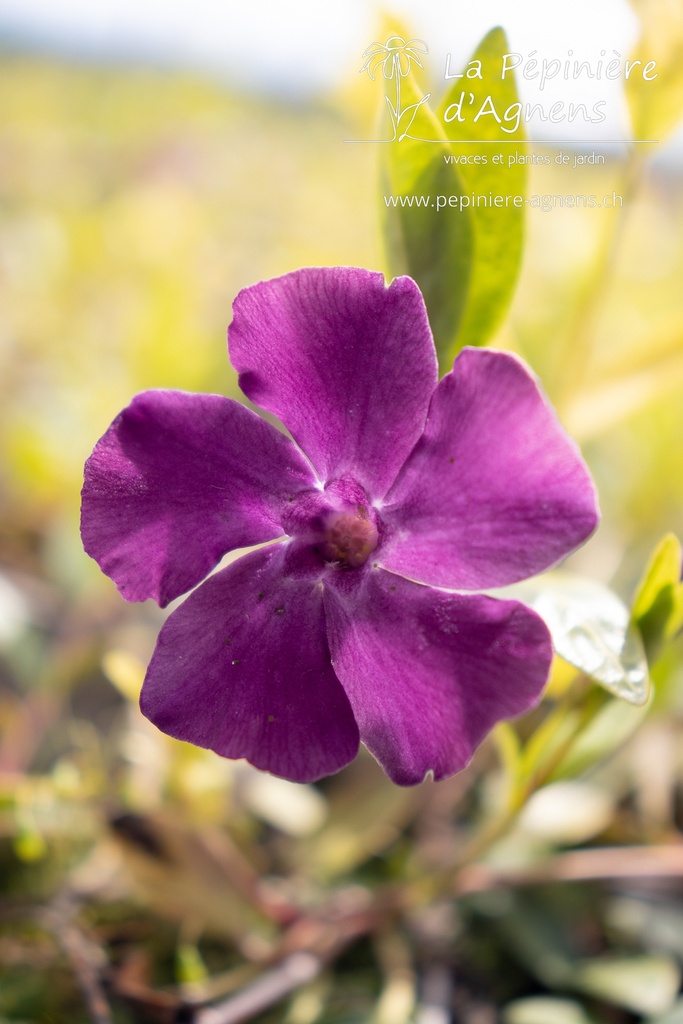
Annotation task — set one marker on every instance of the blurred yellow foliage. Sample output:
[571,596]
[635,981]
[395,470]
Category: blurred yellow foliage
[133,207]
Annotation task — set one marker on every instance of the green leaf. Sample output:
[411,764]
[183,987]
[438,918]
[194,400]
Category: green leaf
[544,1010]
[539,938]
[643,984]
[498,232]
[431,245]
[190,967]
[464,256]
[366,814]
[510,754]
[556,734]
[656,106]
[591,629]
[658,604]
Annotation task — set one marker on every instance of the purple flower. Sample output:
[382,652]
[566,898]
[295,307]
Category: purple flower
[394,487]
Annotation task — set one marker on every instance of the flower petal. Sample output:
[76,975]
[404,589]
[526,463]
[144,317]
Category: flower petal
[417,44]
[495,490]
[429,673]
[347,363]
[403,60]
[374,48]
[178,480]
[374,61]
[243,667]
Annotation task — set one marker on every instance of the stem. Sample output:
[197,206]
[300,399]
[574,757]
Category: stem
[397,71]
[580,866]
[491,832]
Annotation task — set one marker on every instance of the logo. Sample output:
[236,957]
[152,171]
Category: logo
[483,103]
[395,58]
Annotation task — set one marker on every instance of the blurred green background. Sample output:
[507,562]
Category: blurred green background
[134,204]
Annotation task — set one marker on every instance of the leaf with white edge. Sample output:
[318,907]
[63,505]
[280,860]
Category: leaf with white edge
[658,604]
[590,628]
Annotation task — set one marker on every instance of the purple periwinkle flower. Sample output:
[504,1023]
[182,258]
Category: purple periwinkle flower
[397,493]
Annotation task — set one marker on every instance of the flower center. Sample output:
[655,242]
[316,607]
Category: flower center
[349,536]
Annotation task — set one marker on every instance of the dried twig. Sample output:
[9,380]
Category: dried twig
[577,866]
[273,985]
[307,947]
[86,958]
[313,942]
[434,1006]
